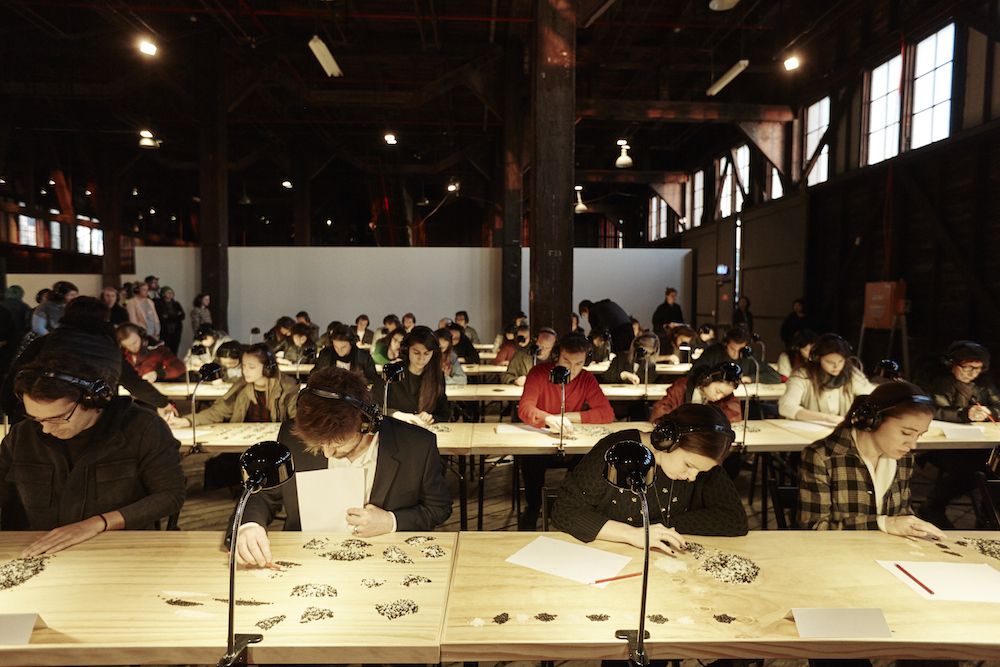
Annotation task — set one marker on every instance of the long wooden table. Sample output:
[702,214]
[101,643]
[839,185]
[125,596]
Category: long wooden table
[797,569]
[144,597]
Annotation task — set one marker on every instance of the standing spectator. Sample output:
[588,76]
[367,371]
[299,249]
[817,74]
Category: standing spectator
[608,315]
[742,317]
[794,323]
[119,314]
[151,359]
[154,287]
[171,315]
[142,311]
[574,325]
[667,313]
[302,317]
[200,314]
[364,334]
[46,317]
[462,320]
[14,304]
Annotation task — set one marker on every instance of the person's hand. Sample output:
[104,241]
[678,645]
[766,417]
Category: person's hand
[173,421]
[978,413]
[671,359]
[661,538]
[696,352]
[832,419]
[746,379]
[629,377]
[555,423]
[426,418]
[167,412]
[217,381]
[150,376]
[407,417]
[520,380]
[65,536]
[369,521]
[908,525]
[253,546]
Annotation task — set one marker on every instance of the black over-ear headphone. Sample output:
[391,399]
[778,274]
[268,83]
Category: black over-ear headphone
[371,416]
[270,363]
[726,372]
[666,437]
[97,394]
[868,416]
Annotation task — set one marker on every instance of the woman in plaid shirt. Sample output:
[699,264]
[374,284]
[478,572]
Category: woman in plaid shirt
[858,478]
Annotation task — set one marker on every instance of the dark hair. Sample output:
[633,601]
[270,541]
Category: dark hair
[637,341]
[410,315]
[302,329]
[15,292]
[432,379]
[284,322]
[736,335]
[42,294]
[88,306]
[205,331]
[711,445]
[126,329]
[31,379]
[360,317]
[585,305]
[671,290]
[801,339]
[572,342]
[888,393]
[393,320]
[828,343]
[230,350]
[462,313]
[60,290]
[966,350]
[197,300]
[699,374]
[677,332]
[443,334]
[740,298]
[706,329]
[304,314]
[391,317]
[319,420]
[262,352]
[342,332]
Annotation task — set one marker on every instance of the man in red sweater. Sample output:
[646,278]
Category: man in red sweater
[540,407]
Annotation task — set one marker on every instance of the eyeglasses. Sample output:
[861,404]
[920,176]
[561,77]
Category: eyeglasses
[972,369]
[55,420]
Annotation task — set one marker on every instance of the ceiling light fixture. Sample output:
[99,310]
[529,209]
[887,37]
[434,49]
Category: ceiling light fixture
[791,62]
[580,206]
[287,185]
[722,5]
[87,192]
[325,58]
[453,187]
[146,134]
[135,192]
[726,78]
[390,139]
[329,222]
[147,47]
[624,161]
[244,200]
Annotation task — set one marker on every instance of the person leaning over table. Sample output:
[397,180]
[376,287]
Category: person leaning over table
[540,407]
[729,350]
[404,485]
[343,352]
[634,367]
[714,386]
[292,349]
[858,478]
[150,358]
[690,495]
[209,338]
[418,396]
[85,460]
[450,366]
[527,357]
[387,350]
[824,388]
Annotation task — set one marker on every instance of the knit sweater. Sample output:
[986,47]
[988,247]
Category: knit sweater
[541,398]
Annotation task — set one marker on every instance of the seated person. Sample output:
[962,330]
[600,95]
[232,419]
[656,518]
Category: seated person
[705,338]
[452,369]
[574,324]
[679,335]
[409,321]
[638,366]
[797,354]
[389,324]
[343,353]
[858,478]
[281,330]
[966,394]
[151,358]
[364,335]
[302,317]
[299,348]
[323,341]
[824,388]
[210,339]
[79,430]
[600,351]
[540,406]
[404,486]
[229,356]
[692,494]
[730,349]
[463,347]
[263,394]
[462,320]
[528,356]
[418,396]
[708,386]
[514,339]
[387,350]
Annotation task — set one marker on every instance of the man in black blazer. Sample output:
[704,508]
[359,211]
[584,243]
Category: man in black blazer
[337,420]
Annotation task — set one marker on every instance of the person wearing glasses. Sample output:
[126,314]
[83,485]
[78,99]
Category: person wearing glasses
[964,394]
[78,430]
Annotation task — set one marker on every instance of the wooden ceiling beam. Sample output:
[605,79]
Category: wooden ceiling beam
[638,111]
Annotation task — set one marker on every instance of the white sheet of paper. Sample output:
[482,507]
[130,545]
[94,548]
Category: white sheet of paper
[16,628]
[809,426]
[182,434]
[958,582]
[851,622]
[963,431]
[570,561]
[517,429]
[325,496]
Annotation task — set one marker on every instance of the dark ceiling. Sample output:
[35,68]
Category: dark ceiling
[75,91]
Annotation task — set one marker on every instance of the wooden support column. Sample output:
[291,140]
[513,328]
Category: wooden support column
[302,171]
[214,223]
[552,165]
[108,201]
[513,182]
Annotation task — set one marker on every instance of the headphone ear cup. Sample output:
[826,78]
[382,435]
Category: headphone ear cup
[865,418]
[665,436]
[100,395]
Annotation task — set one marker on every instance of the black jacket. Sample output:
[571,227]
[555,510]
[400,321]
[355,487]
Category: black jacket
[949,408]
[357,360]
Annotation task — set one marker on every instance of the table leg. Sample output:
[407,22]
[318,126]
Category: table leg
[463,493]
[765,475]
[482,492]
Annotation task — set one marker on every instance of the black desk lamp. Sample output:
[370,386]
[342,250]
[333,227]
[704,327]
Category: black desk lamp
[392,372]
[534,350]
[196,350]
[643,354]
[254,332]
[210,371]
[746,352]
[264,466]
[560,375]
[631,467]
[309,354]
[887,369]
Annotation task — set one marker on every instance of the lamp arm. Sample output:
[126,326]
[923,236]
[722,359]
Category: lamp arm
[237,643]
[562,416]
[640,658]
[194,411]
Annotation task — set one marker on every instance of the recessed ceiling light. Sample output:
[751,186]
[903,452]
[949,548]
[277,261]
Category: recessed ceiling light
[147,47]
[390,139]
[791,63]
[287,185]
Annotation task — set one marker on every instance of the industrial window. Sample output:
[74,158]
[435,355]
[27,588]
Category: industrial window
[817,121]
[777,192]
[743,164]
[726,189]
[611,235]
[55,235]
[697,198]
[657,218]
[932,88]
[83,240]
[883,110]
[97,242]
[27,234]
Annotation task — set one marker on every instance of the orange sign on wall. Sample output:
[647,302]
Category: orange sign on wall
[883,303]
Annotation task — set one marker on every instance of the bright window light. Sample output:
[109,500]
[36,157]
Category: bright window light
[932,88]
[817,121]
[883,111]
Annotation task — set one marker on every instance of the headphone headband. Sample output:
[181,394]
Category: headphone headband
[667,434]
[371,416]
[869,416]
[96,393]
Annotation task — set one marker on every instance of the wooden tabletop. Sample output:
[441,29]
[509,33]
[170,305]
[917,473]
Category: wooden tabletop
[486,440]
[797,569]
[144,597]
[184,389]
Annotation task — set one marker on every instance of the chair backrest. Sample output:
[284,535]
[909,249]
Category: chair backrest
[989,487]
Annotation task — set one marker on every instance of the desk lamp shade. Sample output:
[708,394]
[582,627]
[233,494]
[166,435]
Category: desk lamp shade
[559,375]
[266,465]
[198,348]
[887,368]
[631,466]
[393,371]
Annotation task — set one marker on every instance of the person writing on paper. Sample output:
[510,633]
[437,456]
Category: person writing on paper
[823,388]
[858,478]
[690,495]
[418,397]
[337,426]
[709,386]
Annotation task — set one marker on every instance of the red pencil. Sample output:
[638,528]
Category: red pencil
[273,567]
[988,415]
[901,569]
[622,576]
